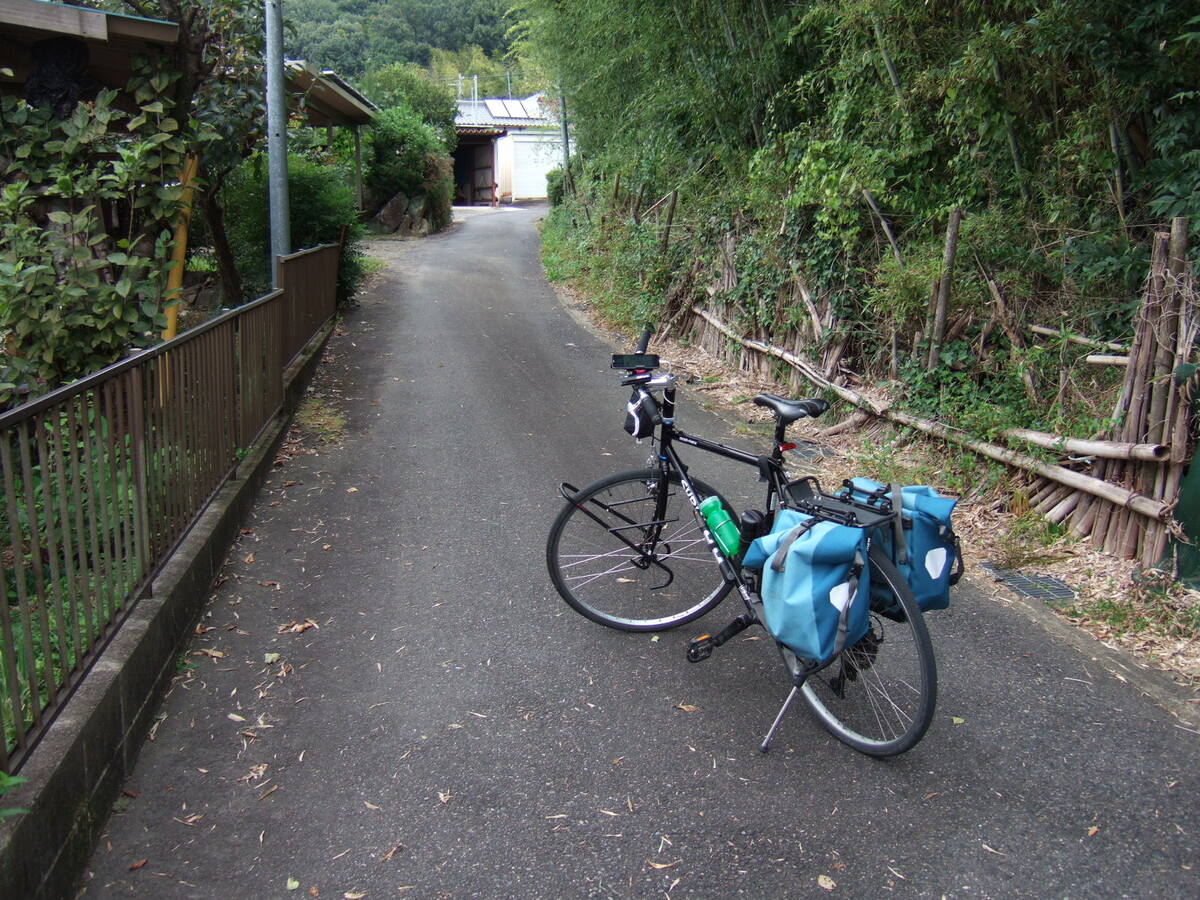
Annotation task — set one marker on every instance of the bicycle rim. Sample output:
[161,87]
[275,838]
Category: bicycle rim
[667,578]
[878,696]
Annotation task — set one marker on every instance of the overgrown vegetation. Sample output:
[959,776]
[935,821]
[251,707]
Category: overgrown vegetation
[320,205]
[1065,131]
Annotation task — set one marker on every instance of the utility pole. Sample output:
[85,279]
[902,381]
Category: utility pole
[276,138]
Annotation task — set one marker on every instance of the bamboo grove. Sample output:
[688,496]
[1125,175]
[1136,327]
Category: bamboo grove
[899,194]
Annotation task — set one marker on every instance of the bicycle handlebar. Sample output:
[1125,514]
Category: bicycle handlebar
[644,340]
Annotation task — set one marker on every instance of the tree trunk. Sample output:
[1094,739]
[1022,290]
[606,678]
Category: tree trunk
[214,217]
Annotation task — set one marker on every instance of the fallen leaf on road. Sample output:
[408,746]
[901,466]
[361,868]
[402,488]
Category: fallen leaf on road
[249,559]
[992,850]
[236,718]
[294,627]
[354,895]
[657,865]
[272,584]
[138,864]
[292,884]
[268,792]
[826,882]
[215,654]
[370,805]
[445,798]
[956,720]
[686,707]
[1092,831]
[399,846]
[352,491]
[271,657]
[609,812]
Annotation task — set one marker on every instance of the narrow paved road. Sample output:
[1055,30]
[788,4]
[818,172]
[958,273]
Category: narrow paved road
[447,728]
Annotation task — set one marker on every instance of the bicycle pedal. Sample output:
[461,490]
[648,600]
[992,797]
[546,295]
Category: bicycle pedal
[700,647]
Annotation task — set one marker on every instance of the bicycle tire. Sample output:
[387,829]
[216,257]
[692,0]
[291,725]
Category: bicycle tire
[603,578]
[878,696]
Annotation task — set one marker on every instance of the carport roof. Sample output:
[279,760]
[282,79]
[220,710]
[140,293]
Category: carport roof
[113,39]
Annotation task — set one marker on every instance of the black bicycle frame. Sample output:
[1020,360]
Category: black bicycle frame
[770,470]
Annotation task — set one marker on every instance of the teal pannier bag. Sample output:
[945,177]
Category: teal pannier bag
[815,584]
[920,539]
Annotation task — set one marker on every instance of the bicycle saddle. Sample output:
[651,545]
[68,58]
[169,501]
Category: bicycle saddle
[791,410]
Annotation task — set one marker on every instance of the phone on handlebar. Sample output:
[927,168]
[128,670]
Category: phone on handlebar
[633,361]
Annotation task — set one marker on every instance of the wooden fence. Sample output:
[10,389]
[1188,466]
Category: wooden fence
[103,478]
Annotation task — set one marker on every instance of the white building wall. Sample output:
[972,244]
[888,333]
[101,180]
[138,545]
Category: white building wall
[524,158]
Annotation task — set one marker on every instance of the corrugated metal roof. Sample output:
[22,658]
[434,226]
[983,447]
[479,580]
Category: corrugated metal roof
[499,112]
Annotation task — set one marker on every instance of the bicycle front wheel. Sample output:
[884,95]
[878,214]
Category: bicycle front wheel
[628,552]
[878,696]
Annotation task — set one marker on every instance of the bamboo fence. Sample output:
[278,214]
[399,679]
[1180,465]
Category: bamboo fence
[1123,496]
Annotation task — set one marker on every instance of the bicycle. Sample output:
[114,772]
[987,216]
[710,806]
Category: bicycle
[633,552]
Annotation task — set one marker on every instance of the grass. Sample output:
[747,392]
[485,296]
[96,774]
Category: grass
[319,418]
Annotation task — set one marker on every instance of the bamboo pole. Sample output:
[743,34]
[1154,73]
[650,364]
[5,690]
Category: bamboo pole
[1107,449]
[666,235]
[943,290]
[1122,497]
[1101,359]
[887,227]
[1078,338]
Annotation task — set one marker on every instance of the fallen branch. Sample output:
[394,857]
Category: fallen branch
[1107,449]
[1078,338]
[1153,509]
[1100,359]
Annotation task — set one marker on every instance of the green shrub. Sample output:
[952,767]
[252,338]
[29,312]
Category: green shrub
[555,184]
[320,204]
[404,155]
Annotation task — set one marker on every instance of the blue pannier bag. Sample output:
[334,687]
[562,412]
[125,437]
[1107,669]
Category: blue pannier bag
[919,540]
[815,584]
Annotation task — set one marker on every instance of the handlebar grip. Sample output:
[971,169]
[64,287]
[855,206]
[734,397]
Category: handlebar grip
[644,340]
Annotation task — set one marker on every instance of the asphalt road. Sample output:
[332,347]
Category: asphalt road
[451,729]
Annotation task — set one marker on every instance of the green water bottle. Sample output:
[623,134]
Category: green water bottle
[723,528]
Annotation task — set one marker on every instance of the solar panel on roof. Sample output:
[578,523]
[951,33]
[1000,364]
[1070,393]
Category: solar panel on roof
[496,108]
[515,109]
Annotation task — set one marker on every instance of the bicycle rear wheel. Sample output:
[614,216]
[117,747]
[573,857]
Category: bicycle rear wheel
[878,696]
[615,558]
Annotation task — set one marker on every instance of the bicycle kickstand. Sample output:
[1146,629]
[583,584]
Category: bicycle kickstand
[766,744]
[702,646]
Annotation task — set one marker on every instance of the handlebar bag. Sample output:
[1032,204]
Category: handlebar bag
[815,584]
[642,414]
[920,541]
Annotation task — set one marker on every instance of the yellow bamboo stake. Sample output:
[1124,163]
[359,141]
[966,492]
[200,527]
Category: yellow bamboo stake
[187,179]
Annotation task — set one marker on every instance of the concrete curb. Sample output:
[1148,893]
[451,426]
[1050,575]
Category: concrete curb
[75,772]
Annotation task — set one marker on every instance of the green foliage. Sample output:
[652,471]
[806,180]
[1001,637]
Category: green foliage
[404,155]
[1066,131]
[86,204]
[407,84]
[358,36]
[555,185]
[7,783]
[320,204]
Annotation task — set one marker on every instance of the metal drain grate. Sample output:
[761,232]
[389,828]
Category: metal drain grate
[1038,587]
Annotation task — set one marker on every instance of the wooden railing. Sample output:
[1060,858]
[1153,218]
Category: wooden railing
[102,479]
